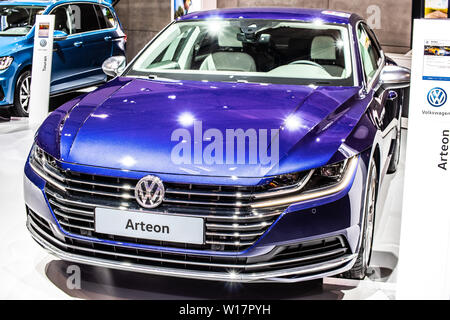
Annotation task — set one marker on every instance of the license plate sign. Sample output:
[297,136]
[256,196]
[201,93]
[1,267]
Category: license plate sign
[150,226]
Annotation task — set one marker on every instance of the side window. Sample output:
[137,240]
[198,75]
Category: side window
[84,18]
[105,17]
[369,53]
[62,22]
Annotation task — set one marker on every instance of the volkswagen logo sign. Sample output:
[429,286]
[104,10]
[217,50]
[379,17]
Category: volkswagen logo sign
[43,43]
[437,97]
[149,192]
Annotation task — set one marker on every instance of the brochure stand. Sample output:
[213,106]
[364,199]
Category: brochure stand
[424,257]
[42,69]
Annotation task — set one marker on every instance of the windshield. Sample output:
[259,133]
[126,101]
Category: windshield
[17,20]
[261,51]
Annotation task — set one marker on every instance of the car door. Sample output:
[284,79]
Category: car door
[68,57]
[384,106]
[97,40]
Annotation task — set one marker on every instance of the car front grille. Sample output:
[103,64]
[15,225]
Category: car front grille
[231,223]
[282,258]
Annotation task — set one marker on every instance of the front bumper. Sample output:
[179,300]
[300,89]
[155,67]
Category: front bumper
[303,273]
[275,257]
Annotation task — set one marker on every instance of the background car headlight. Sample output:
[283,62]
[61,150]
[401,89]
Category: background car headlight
[321,182]
[5,62]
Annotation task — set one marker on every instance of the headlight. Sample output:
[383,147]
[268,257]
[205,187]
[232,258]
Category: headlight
[45,166]
[319,183]
[5,62]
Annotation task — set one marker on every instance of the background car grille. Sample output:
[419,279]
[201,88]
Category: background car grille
[230,222]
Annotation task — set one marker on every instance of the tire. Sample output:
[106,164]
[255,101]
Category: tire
[22,95]
[395,160]
[359,269]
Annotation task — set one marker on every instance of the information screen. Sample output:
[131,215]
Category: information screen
[436,61]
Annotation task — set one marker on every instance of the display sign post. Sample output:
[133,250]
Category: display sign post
[42,68]
[424,257]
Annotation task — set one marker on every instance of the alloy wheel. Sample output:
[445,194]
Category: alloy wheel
[24,94]
[370,214]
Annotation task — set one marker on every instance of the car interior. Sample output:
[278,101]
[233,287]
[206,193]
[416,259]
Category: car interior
[279,51]
[17,20]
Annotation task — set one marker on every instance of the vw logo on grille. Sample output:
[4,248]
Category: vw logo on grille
[437,97]
[149,192]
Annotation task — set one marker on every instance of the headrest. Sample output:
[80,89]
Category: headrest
[228,38]
[323,48]
[17,18]
[229,61]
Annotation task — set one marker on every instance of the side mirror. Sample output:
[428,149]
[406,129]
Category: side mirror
[113,66]
[395,77]
[59,35]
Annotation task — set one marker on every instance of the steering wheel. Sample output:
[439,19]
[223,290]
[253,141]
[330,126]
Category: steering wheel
[311,63]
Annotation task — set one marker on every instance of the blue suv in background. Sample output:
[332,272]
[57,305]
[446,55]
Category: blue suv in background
[86,34]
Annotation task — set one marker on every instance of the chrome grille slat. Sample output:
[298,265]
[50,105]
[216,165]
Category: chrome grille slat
[54,174]
[257,226]
[71,210]
[235,234]
[211,194]
[126,196]
[208,203]
[57,212]
[100,184]
[70,225]
[231,243]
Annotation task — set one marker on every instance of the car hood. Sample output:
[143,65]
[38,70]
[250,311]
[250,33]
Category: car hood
[10,44]
[135,124]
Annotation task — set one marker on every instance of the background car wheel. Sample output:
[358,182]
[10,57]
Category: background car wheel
[22,95]
[359,269]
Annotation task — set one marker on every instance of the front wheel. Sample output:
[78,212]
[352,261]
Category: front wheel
[359,270]
[22,95]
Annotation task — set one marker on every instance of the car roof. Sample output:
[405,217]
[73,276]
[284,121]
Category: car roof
[49,2]
[300,14]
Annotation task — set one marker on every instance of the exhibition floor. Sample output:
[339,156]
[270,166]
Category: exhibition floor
[28,272]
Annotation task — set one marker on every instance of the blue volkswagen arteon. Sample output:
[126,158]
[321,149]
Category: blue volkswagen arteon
[239,145]
[86,34]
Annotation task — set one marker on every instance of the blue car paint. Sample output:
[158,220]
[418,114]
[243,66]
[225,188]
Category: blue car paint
[336,109]
[69,68]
